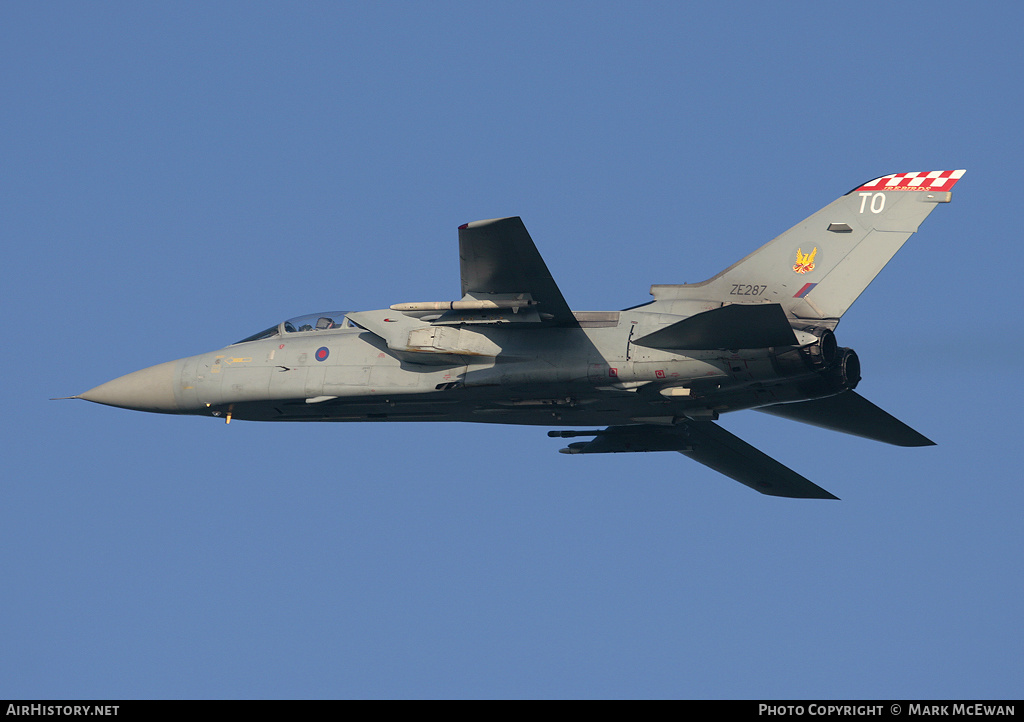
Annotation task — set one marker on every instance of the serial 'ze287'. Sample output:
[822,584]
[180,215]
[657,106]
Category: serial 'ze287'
[759,335]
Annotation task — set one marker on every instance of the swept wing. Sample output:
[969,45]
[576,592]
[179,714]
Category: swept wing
[709,444]
[498,258]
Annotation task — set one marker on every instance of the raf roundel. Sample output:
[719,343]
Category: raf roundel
[322,353]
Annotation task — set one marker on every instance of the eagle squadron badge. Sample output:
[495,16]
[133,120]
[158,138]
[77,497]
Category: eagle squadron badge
[804,261]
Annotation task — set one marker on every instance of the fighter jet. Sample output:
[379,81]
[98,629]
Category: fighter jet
[654,377]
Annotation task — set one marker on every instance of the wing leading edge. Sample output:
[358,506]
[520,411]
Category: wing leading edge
[709,444]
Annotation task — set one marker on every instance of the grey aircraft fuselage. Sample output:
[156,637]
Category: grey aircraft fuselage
[588,375]
[758,335]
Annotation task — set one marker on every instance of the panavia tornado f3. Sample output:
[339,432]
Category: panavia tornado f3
[759,335]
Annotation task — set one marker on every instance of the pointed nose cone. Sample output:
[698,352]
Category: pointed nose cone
[150,389]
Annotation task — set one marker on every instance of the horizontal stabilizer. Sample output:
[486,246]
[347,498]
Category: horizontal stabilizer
[709,444]
[851,413]
[735,326]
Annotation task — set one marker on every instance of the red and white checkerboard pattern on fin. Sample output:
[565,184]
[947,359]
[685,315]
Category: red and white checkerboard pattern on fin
[936,180]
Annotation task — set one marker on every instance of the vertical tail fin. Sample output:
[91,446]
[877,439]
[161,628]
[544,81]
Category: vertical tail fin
[819,267]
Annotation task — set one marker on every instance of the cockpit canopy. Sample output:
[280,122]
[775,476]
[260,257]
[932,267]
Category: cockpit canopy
[311,322]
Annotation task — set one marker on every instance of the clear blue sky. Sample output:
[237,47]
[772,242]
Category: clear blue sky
[175,177]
